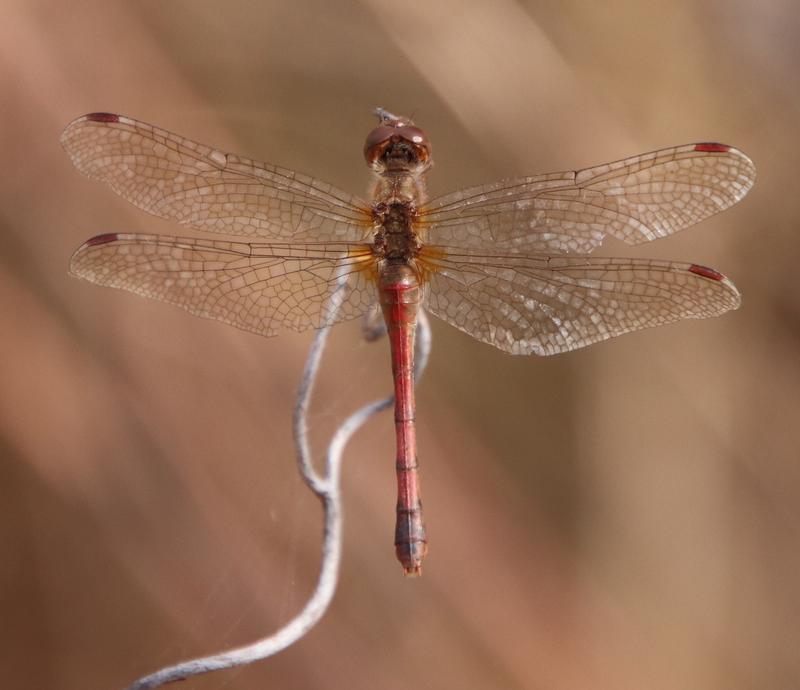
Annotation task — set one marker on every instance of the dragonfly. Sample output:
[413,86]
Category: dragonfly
[509,263]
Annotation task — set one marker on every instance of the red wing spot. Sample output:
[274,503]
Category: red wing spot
[712,147]
[706,272]
[102,117]
[102,239]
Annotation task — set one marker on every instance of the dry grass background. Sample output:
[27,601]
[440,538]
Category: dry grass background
[625,516]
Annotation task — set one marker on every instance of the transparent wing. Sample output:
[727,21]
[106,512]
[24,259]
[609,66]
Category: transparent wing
[196,185]
[636,200]
[545,305]
[262,288]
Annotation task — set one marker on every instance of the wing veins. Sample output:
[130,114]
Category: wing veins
[177,144]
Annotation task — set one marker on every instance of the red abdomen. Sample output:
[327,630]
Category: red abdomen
[400,297]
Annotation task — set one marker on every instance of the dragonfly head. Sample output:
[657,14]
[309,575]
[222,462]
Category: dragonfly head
[397,145]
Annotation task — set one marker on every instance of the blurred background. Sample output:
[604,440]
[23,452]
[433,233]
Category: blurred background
[625,516]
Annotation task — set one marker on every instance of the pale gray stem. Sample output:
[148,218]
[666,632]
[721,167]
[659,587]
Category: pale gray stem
[327,488]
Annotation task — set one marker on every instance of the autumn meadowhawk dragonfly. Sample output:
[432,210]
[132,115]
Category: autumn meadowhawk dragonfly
[509,262]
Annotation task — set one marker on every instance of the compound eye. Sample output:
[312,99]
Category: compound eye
[377,141]
[400,137]
[413,135]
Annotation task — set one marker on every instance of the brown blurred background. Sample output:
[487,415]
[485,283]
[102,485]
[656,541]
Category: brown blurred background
[625,516]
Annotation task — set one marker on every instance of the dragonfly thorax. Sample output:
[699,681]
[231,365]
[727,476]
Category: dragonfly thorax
[395,238]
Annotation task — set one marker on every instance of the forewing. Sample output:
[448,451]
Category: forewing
[262,288]
[636,200]
[179,179]
[546,305]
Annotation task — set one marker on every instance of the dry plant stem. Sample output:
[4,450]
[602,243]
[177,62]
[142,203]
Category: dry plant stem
[327,488]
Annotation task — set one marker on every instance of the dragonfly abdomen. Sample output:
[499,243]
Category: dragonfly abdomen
[400,296]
